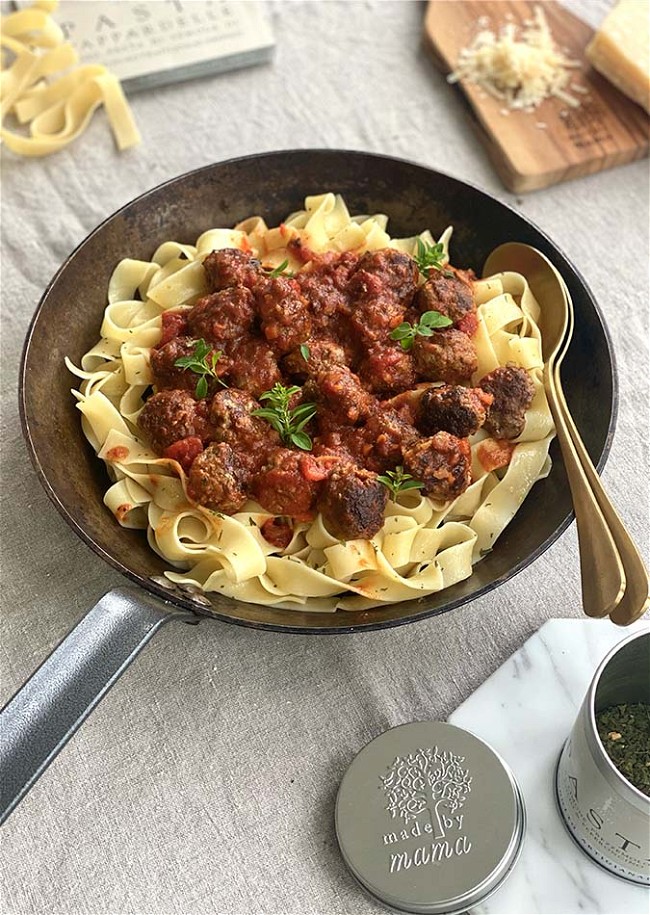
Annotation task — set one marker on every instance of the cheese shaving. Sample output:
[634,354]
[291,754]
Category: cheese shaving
[521,70]
[59,109]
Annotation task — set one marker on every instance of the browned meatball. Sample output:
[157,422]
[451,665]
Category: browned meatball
[323,355]
[283,489]
[453,408]
[388,434]
[168,375]
[353,503]
[324,283]
[170,416]
[231,420]
[513,391]
[387,368]
[448,355]
[407,404]
[443,463]
[381,289]
[447,293]
[231,267]
[284,313]
[254,367]
[215,481]
[340,397]
[388,271]
[222,316]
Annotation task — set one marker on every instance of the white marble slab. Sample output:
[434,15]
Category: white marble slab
[525,710]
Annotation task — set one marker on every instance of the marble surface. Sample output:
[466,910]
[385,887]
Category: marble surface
[526,710]
[205,781]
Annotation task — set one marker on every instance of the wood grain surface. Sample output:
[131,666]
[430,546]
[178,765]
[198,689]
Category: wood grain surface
[606,130]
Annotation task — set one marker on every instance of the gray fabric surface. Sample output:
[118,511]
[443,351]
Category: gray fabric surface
[205,781]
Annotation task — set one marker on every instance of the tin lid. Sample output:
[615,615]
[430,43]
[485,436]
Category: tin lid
[429,818]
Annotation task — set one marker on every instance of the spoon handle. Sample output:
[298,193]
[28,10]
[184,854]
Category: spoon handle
[634,601]
[601,570]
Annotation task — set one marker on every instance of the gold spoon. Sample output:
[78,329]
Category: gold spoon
[634,601]
[602,574]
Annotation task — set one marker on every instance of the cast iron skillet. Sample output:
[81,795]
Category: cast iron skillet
[49,708]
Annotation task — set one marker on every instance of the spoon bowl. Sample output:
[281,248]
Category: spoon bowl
[546,285]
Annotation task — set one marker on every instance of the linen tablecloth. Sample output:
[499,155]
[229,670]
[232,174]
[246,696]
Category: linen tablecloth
[205,782]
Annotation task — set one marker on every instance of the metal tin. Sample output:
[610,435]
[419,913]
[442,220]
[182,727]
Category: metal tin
[429,818]
[607,816]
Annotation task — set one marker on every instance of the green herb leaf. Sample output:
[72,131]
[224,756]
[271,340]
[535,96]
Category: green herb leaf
[429,257]
[199,363]
[304,351]
[301,440]
[289,422]
[429,321]
[402,331]
[397,482]
[280,270]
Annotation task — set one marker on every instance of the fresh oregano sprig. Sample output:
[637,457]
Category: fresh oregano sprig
[429,257]
[289,422]
[280,270]
[397,482]
[203,362]
[429,321]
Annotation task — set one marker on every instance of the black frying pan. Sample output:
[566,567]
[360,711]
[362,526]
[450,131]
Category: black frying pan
[39,720]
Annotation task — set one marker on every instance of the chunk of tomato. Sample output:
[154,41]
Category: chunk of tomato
[184,451]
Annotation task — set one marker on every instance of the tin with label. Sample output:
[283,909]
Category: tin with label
[429,818]
[605,813]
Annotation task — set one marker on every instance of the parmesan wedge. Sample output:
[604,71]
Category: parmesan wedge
[620,49]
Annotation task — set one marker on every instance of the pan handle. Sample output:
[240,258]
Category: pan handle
[44,714]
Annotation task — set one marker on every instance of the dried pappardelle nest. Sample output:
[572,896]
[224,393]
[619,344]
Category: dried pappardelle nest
[423,547]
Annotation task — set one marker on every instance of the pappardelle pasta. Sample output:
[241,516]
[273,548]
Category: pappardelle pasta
[316,415]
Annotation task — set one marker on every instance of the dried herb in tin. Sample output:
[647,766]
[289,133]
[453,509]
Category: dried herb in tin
[624,731]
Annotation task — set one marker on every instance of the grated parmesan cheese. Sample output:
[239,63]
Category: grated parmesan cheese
[520,70]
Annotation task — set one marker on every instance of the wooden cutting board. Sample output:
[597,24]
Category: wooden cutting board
[608,129]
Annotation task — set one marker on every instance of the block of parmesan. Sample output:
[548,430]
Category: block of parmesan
[620,49]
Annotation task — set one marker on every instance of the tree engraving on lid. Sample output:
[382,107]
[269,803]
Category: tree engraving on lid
[427,779]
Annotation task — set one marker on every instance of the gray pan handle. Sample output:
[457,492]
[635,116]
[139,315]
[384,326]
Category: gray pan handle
[44,714]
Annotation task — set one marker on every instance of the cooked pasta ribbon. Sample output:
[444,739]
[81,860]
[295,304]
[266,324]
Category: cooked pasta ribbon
[423,546]
[33,49]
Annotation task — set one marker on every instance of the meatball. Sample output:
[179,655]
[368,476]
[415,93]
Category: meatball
[222,316]
[169,375]
[443,463]
[344,445]
[215,480]
[231,267]
[323,355]
[448,294]
[388,435]
[452,408]
[254,367]
[448,355]
[282,488]
[513,391]
[407,404]
[353,503]
[231,421]
[324,284]
[381,289]
[387,369]
[341,398]
[284,313]
[169,416]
